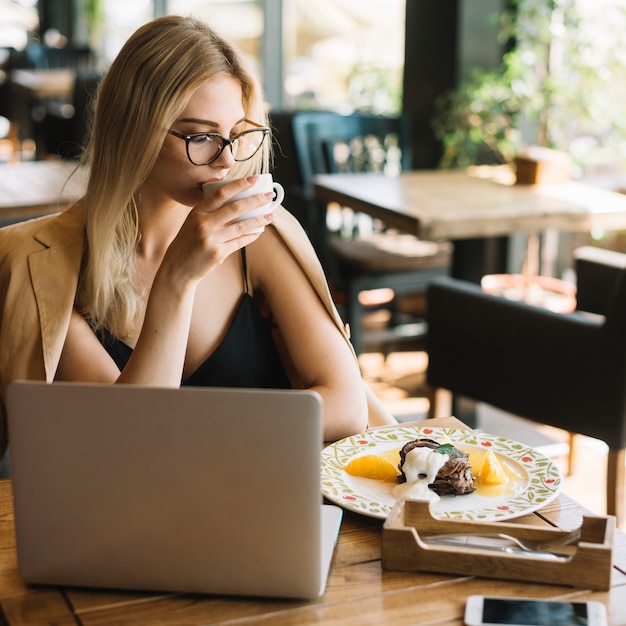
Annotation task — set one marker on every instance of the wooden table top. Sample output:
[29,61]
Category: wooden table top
[33,188]
[359,591]
[455,205]
[42,83]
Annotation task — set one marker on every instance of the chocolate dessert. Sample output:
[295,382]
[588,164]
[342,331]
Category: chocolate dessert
[453,478]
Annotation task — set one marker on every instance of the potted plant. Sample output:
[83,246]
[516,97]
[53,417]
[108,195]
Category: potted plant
[558,88]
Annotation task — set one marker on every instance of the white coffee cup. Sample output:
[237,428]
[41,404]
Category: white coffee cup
[265,184]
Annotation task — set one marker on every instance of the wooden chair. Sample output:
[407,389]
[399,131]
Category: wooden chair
[564,370]
[360,255]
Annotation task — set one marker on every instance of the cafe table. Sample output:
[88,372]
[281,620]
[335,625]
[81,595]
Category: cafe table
[475,208]
[359,591]
[34,188]
[31,86]
[45,83]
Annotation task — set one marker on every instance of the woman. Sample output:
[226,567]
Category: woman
[144,280]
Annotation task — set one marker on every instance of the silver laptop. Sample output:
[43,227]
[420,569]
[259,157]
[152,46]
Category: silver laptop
[193,490]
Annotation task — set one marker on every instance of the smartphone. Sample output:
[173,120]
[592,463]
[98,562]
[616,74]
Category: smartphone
[494,611]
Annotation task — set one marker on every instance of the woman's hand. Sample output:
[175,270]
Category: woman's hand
[206,238]
[209,235]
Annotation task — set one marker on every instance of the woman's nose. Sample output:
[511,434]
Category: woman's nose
[225,159]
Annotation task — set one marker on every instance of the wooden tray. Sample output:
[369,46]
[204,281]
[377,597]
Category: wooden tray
[586,563]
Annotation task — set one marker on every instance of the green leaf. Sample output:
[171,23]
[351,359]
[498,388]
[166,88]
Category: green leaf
[449,449]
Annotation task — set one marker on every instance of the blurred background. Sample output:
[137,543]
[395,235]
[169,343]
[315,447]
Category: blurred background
[480,81]
[478,78]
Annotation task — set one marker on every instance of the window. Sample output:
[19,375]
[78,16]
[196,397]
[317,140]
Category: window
[344,55]
[239,21]
[121,19]
[18,18]
[575,65]
[332,54]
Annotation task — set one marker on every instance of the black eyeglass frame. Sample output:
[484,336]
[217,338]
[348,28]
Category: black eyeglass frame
[224,140]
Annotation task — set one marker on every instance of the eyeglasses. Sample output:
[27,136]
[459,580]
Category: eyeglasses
[204,148]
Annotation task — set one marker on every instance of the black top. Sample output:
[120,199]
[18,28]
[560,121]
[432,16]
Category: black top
[246,357]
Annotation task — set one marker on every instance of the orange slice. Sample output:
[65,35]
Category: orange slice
[393,456]
[492,472]
[372,466]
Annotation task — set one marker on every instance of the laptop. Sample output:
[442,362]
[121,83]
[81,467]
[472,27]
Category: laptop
[202,490]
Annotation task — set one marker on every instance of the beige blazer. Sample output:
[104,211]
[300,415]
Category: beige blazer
[39,266]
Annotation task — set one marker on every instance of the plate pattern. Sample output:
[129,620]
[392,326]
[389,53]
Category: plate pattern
[542,484]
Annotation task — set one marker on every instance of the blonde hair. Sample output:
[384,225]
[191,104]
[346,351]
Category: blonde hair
[141,95]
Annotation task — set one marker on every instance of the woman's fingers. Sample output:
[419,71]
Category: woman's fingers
[207,239]
[250,226]
[236,218]
[217,227]
[228,201]
[238,209]
[221,192]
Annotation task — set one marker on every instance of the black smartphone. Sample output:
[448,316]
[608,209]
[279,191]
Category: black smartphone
[496,611]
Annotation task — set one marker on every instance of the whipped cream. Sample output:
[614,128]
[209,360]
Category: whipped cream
[420,467]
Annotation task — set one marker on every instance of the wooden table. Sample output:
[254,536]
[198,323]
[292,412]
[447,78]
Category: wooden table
[359,592]
[40,83]
[30,89]
[33,188]
[472,208]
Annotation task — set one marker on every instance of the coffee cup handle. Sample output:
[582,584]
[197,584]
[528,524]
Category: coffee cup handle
[280,195]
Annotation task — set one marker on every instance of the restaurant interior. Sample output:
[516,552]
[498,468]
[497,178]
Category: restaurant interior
[404,76]
[489,88]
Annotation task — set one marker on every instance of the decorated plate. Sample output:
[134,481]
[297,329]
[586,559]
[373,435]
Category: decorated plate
[536,480]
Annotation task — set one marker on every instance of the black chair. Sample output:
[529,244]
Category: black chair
[285,164]
[564,370]
[40,56]
[61,128]
[358,254]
